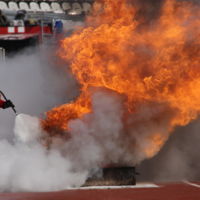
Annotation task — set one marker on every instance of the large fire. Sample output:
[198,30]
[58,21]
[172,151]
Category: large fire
[154,66]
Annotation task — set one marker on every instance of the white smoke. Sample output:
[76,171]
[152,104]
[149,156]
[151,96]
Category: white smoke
[97,139]
[105,137]
[28,166]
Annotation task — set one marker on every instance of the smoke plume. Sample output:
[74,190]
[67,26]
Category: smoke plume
[33,86]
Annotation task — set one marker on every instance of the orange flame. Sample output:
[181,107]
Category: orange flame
[158,63]
[57,118]
[156,143]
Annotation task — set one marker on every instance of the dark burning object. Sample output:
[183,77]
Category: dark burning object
[113,177]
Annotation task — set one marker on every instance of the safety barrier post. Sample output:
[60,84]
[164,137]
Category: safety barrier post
[2,57]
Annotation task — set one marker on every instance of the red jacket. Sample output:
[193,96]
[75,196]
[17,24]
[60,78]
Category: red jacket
[1,102]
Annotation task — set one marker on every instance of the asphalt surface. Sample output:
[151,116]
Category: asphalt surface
[142,191]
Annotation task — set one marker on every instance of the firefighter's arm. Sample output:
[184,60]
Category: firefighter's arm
[7,104]
[1,103]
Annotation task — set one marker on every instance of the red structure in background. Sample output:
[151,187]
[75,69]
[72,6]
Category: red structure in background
[16,38]
[21,33]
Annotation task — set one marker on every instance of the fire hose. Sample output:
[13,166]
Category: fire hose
[13,107]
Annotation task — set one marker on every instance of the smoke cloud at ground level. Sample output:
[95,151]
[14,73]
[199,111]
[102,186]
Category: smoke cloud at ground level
[28,166]
[33,87]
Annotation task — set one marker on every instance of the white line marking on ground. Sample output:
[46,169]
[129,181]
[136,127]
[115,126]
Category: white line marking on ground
[138,185]
[193,184]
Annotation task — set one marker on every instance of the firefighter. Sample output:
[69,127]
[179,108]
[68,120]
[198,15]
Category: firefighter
[5,104]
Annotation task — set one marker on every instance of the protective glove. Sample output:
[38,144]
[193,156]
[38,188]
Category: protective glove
[8,104]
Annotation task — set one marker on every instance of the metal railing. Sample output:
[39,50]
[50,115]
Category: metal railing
[2,57]
[51,36]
